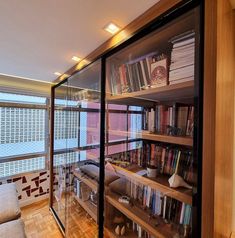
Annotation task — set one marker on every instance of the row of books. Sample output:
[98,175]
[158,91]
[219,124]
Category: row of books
[131,156]
[141,233]
[182,58]
[160,205]
[146,72]
[166,159]
[176,120]
[155,69]
[170,160]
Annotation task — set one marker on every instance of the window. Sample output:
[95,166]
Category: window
[22,131]
[23,121]
[21,166]
[24,128]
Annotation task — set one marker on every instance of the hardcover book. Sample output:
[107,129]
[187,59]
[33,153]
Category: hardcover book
[159,72]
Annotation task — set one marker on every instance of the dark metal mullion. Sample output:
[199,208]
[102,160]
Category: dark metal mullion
[51,145]
[198,133]
[79,130]
[102,151]
[127,128]
[47,136]
[52,160]
[107,129]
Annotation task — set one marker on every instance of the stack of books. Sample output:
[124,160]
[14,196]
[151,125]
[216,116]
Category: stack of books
[182,58]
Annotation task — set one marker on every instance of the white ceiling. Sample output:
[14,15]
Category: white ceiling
[39,37]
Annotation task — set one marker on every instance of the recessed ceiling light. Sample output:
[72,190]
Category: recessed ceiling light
[112,28]
[75,58]
[58,73]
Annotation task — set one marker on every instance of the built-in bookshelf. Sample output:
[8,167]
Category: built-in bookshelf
[157,73]
[142,218]
[150,141]
[159,183]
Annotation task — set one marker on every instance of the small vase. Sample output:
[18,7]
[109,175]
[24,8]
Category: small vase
[151,172]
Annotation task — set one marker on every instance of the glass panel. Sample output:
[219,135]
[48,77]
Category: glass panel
[150,116]
[89,128]
[83,175]
[64,136]
[60,153]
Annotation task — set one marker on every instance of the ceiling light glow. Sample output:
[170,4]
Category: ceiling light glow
[75,58]
[57,73]
[112,28]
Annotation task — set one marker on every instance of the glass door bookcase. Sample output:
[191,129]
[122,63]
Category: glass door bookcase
[152,110]
[126,136]
[76,151]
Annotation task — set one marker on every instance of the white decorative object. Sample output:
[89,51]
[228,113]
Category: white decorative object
[124,199]
[151,172]
[176,181]
[117,230]
[123,230]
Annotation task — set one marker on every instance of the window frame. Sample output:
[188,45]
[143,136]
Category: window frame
[45,153]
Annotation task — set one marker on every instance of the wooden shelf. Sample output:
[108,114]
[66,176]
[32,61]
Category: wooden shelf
[141,217]
[146,135]
[167,93]
[179,140]
[159,183]
[88,207]
[91,183]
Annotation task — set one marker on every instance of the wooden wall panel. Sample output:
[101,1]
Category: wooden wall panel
[224,135]
[208,172]
[233,235]
[234,145]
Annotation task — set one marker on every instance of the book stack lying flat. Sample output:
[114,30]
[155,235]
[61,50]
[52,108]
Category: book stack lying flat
[182,58]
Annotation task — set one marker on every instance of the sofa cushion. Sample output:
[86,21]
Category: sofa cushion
[9,205]
[12,229]
[93,172]
[120,186]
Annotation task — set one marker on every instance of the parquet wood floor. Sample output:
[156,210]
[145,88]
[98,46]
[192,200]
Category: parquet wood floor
[39,222]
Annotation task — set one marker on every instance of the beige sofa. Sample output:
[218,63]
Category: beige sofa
[11,226]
